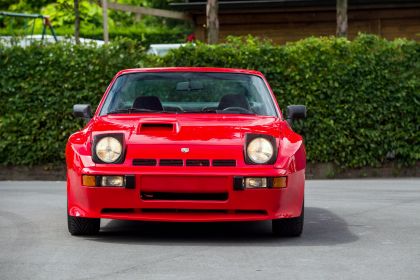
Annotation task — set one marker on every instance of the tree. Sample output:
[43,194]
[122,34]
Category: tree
[105,20]
[76,22]
[212,10]
[342,25]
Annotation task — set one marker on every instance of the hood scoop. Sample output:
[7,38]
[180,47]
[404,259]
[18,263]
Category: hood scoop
[157,128]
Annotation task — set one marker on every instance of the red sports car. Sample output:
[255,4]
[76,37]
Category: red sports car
[186,145]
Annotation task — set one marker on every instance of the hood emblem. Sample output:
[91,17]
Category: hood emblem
[185,150]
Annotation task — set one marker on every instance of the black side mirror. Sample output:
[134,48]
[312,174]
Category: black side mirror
[295,112]
[83,111]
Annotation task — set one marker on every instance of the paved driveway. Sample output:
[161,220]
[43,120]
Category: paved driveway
[354,229]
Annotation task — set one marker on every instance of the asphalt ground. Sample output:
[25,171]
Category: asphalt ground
[354,229]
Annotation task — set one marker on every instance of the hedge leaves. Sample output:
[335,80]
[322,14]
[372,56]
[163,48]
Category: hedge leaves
[362,96]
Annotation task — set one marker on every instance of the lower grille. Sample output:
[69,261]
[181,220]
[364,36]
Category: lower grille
[224,162]
[183,196]
[118,210]
[170,210]
[182,211]
[180,162]
[197,162]
[171,162]
[144,162]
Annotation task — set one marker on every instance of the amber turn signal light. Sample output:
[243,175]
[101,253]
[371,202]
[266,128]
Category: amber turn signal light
[279,182]
[88,180]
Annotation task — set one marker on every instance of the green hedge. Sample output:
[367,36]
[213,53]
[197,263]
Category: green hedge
[38,87]
[362,96]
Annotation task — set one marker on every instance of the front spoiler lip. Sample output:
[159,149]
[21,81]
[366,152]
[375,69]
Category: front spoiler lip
[190,217]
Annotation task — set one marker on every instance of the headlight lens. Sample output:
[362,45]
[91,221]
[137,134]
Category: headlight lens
[260,150]
[108,149]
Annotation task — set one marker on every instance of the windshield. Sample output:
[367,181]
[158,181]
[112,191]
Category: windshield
[192,92]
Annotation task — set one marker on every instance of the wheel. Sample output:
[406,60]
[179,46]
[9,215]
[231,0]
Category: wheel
[83,226]
[291,227]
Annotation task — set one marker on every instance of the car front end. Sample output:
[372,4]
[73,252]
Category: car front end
[185,166]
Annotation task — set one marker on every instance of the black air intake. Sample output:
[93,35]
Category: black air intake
[224,162]
[198,162]
[144,162]
[171,162]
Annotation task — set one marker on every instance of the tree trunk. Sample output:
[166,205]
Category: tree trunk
[105,20]
[212,10]
[76,22]
[342,18]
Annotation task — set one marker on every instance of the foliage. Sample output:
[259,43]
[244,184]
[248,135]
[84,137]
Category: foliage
[62,13]
[121,24]
[362,96]
[38,87]
[23,5]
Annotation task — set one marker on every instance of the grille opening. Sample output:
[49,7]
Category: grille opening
[258,212]
[183,196]
[181,211]
[150,127]
[118,210]
[171,162]
[169,210]
[144,162]
[180,162]
[198,162]
[224,162]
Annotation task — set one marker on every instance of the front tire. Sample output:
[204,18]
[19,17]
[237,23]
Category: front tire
[290,227]
[83,226]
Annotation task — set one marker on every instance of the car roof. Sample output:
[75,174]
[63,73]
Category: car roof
[190,69]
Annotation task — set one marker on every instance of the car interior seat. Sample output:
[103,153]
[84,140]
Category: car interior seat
[233,100]
[148,102]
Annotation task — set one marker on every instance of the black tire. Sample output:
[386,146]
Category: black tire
[291,227]
[83,226]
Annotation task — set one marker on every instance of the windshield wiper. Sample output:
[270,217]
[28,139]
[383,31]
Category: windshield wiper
[138,110]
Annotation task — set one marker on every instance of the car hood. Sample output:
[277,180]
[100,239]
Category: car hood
[165,136]
[205,129]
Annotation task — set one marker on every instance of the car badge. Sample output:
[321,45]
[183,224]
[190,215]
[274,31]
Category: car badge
[185,150]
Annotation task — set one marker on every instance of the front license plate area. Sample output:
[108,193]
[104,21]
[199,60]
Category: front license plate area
[185,184]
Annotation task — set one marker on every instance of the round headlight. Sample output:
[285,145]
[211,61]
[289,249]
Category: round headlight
[260,150]
[108,149]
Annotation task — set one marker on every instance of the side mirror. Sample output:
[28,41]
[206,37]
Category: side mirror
[295,112]
[83,111]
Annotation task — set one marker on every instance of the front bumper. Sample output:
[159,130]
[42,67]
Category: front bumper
[237,205]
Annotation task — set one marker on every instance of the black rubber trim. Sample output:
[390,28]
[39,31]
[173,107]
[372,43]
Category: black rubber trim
[238,183]
[249,137]
[183,196]
[224,162]
[197,162]
[98,180]
[130,181]
[171,162]
[119,137]
[144,162]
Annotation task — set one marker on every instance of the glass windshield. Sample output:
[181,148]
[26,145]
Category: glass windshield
[192,92]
